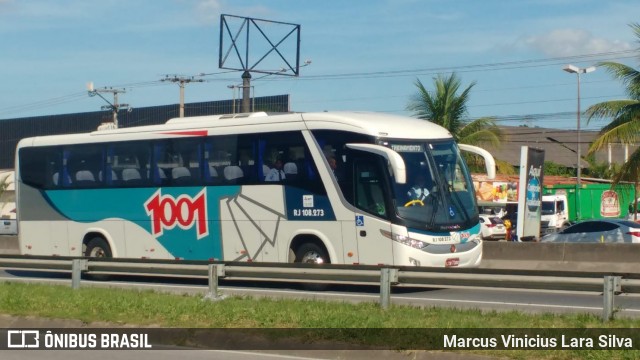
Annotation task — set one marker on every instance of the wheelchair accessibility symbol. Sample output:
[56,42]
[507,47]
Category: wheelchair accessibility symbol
[359,220]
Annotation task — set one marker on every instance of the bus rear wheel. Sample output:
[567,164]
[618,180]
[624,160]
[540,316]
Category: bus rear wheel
[310,253]
[98,248]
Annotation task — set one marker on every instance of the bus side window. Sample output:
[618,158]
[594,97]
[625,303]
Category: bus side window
[219,153]
[369,188]
[82,164]
[128,164]
[298,166]
[38,166]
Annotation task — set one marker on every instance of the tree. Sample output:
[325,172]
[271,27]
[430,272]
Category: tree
[555,169]
[4,184]
[625,118]
[448,108]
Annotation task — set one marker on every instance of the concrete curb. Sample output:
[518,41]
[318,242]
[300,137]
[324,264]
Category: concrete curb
[562,256]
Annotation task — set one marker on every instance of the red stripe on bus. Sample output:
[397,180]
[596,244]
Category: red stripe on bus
[187,133]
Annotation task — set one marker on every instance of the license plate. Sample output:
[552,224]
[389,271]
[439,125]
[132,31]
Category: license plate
[451,262]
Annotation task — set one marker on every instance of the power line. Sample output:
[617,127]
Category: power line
[510,65]
[115,106]
[182,81]
[45,103]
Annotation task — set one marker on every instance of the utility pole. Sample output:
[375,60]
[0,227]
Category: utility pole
[181,80]
[246,92]
[251,99]
[115,106]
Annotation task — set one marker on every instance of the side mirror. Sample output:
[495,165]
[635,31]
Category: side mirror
[488,158]
[396,163]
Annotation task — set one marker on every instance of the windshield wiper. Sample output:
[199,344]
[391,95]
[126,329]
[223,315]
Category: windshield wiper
[435,197]
[454,195]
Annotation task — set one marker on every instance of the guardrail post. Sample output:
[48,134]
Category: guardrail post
[387,276]
[215,271]
[611,286]
[77,267]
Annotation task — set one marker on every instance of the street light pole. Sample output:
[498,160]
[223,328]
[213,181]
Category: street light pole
[576,70]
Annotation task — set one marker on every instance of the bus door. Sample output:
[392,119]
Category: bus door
[372,214]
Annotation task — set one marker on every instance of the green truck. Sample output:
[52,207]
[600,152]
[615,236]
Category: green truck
[596,201]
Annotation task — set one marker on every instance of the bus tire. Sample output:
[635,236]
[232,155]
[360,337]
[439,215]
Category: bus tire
[97,247]
[311,253]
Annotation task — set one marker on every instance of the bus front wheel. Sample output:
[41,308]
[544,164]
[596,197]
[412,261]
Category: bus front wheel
[311,253]
[98,247]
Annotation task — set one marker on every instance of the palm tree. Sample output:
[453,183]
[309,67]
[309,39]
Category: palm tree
[4,184]
[625,118]
[447,108]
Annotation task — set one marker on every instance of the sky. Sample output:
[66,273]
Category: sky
[363,55]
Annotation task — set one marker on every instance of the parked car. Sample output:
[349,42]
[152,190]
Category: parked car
[601,230]
[492,227]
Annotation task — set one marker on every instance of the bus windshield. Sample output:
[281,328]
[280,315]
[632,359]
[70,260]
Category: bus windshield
[439,193]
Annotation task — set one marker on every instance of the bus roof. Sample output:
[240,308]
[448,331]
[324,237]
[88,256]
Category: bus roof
[376,124]
[370,123]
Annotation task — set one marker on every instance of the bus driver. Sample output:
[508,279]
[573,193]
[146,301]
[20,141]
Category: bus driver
[418,192]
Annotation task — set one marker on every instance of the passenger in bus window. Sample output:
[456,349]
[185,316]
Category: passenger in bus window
[276,173]
[333,163]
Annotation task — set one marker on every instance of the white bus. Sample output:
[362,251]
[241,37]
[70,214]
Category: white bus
[196,189]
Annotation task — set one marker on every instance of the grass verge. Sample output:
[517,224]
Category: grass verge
[154,309]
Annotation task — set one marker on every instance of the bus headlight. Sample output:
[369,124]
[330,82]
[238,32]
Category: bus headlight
[405,240]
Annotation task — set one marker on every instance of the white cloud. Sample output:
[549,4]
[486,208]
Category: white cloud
[568,42]
[209,11]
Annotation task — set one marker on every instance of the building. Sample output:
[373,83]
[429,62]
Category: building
[559,146]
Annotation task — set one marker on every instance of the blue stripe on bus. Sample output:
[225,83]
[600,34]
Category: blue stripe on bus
[94,205]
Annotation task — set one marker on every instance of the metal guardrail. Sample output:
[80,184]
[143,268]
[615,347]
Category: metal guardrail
[384,276]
